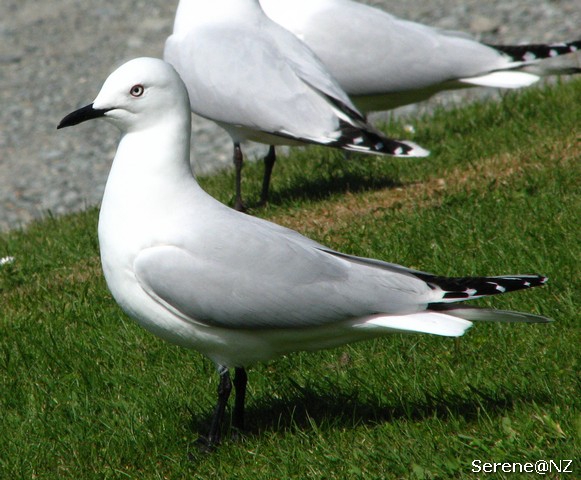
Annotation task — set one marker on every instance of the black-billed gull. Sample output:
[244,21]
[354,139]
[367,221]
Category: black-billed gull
[234,287]
[260,83]
[383,62]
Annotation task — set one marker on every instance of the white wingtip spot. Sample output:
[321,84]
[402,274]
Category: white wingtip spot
[416,150]
[500,288]
[553,53]
[358,140]
[529,56]
[398,151]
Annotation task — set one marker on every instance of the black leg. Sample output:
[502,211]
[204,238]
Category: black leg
[268,165]
[240,380]
[224,389]
[238,160]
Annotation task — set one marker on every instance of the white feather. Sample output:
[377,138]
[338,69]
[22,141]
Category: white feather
[423,322]
[505,79]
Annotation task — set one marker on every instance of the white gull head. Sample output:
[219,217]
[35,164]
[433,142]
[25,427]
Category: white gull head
[141,93]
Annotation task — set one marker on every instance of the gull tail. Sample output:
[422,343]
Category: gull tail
[475,314]
[433,323]
[503,79]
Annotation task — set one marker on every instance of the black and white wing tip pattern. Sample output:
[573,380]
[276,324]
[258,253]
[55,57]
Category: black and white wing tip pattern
[356,135]
[533,52]
[357,139]
[456,289]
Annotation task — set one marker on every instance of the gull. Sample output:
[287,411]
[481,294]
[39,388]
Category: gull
[384,62]
[171,256]
[260,83]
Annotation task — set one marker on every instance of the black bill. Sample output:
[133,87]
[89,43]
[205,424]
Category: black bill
[81,115]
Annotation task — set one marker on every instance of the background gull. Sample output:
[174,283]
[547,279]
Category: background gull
[170,255]
[384,62]
[259,82]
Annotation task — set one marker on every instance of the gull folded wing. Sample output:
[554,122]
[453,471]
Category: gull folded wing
[287,286]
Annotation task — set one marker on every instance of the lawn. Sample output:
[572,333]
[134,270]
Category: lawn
[85,393]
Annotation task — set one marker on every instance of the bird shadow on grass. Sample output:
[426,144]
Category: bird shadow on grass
[344,411]
[339,410]
[329,179]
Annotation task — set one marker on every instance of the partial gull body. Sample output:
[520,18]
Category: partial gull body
[384,62]
[237,288]
[260,83]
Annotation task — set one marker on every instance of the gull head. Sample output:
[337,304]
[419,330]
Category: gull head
[140,93]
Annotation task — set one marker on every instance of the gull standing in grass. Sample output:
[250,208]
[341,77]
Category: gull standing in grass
[384,62]
[237,288]
[260,83]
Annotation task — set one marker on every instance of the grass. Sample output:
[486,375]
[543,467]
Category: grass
[87,394]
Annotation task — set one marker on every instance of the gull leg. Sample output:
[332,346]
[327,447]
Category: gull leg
[224,389]
[268,165]
[238,160]
[240,380]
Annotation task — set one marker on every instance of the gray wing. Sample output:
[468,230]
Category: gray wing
[309,67]
[245,80]
[274,282]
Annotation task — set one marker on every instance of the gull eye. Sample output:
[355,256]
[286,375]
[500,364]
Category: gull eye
[137,90]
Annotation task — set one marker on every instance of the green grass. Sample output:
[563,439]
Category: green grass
[87,394]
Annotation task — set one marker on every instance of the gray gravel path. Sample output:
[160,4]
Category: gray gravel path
[55,55]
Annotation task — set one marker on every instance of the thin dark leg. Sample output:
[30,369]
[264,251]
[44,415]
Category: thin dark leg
[240,380]
[268,165]
[224,389]
[238,160]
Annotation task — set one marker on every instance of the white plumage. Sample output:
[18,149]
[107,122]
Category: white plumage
[237,288]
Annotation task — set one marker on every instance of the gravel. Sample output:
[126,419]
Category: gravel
[54,57]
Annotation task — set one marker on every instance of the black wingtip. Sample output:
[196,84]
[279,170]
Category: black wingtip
[532,52]
[358,139]
[465,288]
